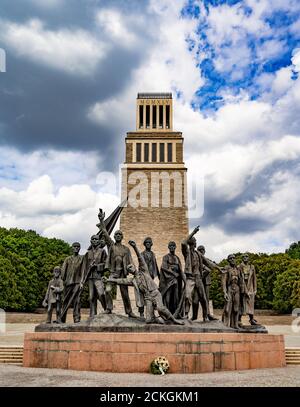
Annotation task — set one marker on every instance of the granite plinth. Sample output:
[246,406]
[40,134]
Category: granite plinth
[116,343]
[123,352]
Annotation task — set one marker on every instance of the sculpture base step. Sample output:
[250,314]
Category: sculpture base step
[120,323]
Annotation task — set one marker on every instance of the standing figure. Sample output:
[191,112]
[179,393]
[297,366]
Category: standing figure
[233,287]
[151,262]
[248,297]
[194,273]
[150,258]
[208,266]
[119,257]
[53,296]
[171,277]
[94,264]
[71,274]
[145,284]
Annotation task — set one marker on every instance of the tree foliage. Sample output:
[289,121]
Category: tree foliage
[287,288]
[26,264]
[278,282]
[294,250]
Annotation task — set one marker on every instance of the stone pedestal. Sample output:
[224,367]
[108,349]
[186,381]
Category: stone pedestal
[132,352]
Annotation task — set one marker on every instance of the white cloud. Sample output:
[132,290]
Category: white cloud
[282,82]
[64,167]
[40,198]
[110,111]
[230,168]
[69,214]
[271,49]
[282,201]
[74,51]
[238,122]
[296,59]
[118,27]
[220,244]
[56,193]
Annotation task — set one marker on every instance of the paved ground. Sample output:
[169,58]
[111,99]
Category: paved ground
[14,376]
[292,339]
[14,335]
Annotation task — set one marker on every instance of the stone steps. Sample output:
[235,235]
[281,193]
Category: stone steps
[292,356]
[12,355]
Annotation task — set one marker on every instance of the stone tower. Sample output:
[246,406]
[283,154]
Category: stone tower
[154,177]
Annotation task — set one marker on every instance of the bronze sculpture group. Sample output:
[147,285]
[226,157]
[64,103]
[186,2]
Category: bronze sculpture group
[180,288]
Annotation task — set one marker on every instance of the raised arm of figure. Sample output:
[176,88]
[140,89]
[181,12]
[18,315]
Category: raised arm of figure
[102,227]
[141,260]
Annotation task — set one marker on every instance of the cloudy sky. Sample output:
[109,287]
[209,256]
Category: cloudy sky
[74,68]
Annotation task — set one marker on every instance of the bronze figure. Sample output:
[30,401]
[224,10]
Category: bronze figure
[150,258]
[250,285]
[119,257]
[71,274]
[94,264]
[194,273]
[233,287]
[208,266]
[151,262]
[171,279]
[53,296]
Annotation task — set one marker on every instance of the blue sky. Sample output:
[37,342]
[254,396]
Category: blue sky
[68,99]
[233,78]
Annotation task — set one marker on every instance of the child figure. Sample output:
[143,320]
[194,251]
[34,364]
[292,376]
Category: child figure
[53,296]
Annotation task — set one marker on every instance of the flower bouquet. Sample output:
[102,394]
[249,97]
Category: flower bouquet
[160,365]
